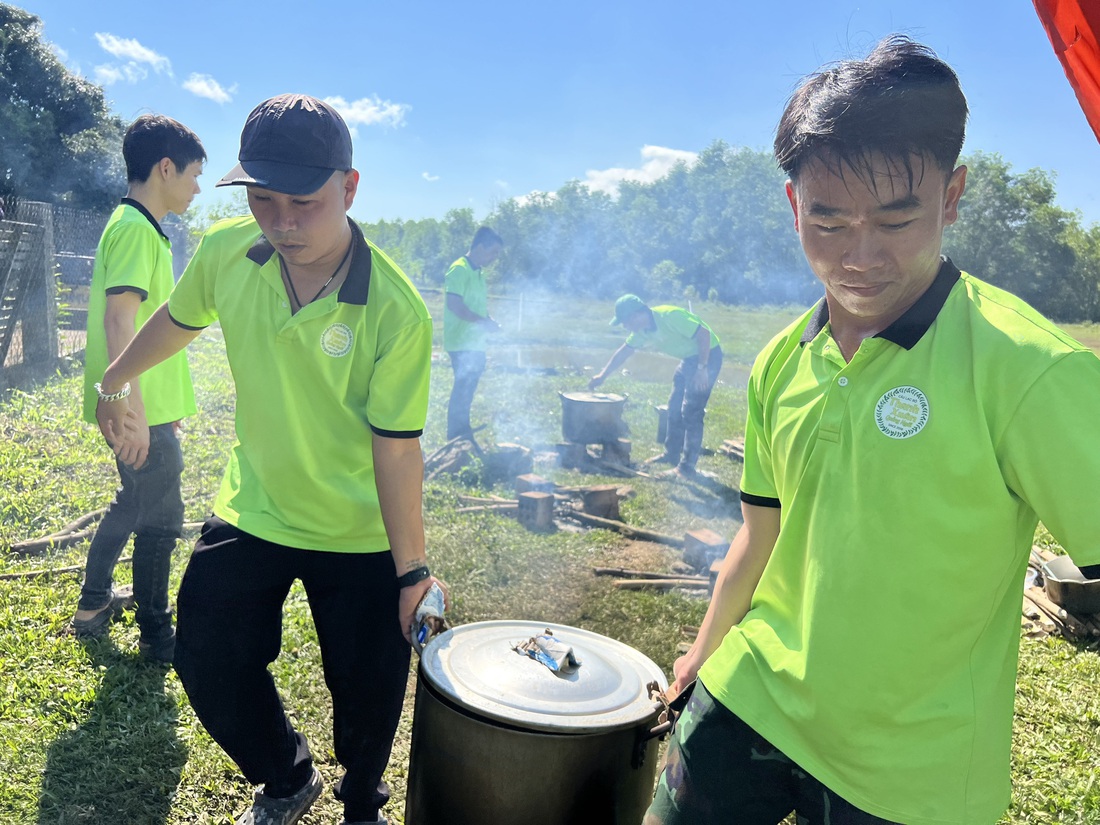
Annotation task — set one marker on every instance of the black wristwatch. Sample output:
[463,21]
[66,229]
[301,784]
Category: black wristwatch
[417,574]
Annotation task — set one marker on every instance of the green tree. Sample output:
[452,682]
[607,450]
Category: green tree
[1011,233]
[58,141]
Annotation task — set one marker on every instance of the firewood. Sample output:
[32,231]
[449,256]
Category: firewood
[625,529]
[54,571]
[1073,625]
[621,469]
[486,500]
[660,584]
[490,508]
[646,574]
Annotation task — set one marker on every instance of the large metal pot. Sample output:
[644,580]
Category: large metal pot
[592,417]
[500,739]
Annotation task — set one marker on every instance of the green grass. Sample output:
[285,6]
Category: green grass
[91,734]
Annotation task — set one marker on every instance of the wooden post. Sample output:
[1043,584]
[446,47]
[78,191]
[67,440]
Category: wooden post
[703,546]
[662,422]
[531,483]
[572,455]
[536,510]
[39,305]
[602,501]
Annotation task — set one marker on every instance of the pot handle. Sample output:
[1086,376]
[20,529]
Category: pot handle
[667,718]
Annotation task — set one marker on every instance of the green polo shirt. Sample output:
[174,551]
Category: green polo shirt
[134,255]
[881,645]
[674,334]
[311,387]
[469,284]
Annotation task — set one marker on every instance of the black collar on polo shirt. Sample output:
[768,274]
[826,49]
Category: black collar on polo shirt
[356,286]
[907,330]
[140,207]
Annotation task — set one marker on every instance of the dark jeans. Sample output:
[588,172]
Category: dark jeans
[147,505]
[229,629]
[468,365]
[719,771]
[686,405]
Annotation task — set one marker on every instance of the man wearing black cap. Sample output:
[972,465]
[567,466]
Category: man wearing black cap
[330,347]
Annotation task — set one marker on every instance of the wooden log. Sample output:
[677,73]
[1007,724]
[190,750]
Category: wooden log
[659,584]
[602,501]
[54,571]
[485,500]
[533,483]
[536,510]
[620,468]
[490,508]
[733,448]
[625,529]
[624,573]
[623,490]
[38,547]
[1059,615]
[702,546]
[82,522]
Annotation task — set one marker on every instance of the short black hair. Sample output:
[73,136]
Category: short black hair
[151,138]
[486,237]
[900,102]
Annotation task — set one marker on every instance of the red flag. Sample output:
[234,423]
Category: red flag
[1073,27]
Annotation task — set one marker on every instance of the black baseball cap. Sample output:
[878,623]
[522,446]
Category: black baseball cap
[291,144]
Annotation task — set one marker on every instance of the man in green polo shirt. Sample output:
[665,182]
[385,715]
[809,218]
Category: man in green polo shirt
[466,325]
[330,347]
[131,278]
[676,332]
[857,662]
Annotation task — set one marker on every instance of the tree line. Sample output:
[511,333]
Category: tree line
[720,228]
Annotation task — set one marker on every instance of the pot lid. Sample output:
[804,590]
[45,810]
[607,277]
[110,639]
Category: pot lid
[594,397]
[477,667]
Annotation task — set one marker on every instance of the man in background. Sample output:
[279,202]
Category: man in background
[330,348]
[466,325]
[132,277]
[857,662]
[681,334]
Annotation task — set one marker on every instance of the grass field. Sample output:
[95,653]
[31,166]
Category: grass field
[90,734]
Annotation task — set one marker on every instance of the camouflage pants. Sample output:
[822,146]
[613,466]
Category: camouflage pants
[719,771]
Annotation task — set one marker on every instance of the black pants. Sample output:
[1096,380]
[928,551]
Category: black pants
[686,406]
[468,365]
[147,505]
[229,626]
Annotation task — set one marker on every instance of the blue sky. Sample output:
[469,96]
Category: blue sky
[468,104]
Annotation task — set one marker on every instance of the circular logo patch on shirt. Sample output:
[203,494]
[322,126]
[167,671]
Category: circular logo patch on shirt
[902,412]
[336,340]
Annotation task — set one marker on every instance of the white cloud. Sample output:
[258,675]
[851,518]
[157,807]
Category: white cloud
[502,184]
[133,52]
[109,73]
[658,161]
[368,111]
[203,85]
[429,178]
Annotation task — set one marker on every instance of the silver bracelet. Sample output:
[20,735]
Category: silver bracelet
[112,396]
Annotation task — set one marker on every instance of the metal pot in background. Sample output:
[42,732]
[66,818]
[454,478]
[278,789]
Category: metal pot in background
[500,739]
[592,417]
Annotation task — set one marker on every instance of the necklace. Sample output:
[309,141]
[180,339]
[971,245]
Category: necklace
[324,286]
